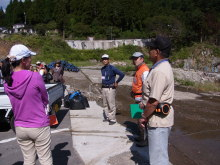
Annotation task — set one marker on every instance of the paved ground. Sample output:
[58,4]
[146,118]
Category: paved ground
[194,138]
[97,142]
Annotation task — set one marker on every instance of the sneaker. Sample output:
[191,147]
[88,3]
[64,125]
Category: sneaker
[142,143]
[112,122]
[105,120]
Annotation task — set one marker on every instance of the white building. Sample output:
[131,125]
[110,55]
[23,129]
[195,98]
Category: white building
[18,28]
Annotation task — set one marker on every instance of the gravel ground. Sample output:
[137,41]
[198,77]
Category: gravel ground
[195,136]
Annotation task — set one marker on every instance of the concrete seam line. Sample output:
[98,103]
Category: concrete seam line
[52,132]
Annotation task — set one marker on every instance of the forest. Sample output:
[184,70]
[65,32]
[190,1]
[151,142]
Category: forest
[184,21]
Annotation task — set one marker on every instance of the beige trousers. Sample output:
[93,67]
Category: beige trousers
[109,103]
[35,141]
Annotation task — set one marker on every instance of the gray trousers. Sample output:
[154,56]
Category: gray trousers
[35,141]
[109,103]
[158,145]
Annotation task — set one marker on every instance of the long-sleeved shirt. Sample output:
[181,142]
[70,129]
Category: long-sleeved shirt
[29,99]
[109,73]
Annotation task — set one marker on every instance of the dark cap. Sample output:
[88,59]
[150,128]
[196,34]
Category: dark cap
[160,43]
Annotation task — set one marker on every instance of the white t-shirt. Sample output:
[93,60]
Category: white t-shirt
[41,72]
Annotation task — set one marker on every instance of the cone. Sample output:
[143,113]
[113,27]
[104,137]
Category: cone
[53,120]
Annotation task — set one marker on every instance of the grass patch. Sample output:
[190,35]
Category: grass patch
[187,52]
[184,82]
[85,63]
[202,87]
[208,87]
[127,68]
[54,48]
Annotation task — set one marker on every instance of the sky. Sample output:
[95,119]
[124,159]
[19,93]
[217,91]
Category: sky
[4,3]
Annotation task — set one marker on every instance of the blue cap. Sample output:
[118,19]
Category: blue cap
[137,54]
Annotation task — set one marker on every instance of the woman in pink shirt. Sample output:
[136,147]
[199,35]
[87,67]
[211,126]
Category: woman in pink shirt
[27,93]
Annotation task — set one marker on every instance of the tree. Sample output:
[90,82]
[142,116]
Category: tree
[59,14]
[2,17]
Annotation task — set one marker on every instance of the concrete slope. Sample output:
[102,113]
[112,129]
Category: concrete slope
[99,143]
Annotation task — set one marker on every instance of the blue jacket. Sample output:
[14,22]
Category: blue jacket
[109,73]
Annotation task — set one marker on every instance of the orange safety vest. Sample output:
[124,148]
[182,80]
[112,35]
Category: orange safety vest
[137,81]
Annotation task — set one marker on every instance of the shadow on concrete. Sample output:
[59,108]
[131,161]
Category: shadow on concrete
[60,116]
[18,163]
[132,128]
[140,155]
[60,156]
[4,127]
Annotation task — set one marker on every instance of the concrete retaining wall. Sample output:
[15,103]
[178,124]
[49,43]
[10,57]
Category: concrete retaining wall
[104,44]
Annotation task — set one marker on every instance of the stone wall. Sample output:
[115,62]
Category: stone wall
[104,44]
[195,76]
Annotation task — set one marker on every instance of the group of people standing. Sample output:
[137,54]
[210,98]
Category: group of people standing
[55,74]
[152,89]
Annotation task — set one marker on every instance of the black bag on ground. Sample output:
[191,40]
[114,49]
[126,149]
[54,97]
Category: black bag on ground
[67,101]
[85,101]
[77,103]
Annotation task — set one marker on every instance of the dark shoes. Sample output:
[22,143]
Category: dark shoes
[112,122]
[105,120]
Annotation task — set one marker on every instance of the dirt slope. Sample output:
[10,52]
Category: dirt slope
[4,48]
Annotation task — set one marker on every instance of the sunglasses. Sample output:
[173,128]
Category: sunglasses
[105,59]
[134,58]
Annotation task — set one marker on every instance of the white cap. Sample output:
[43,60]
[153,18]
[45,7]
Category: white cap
[38,62]
[137,54]
[105,56]
[19,51]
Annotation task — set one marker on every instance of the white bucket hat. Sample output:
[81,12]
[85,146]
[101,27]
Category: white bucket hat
[19,51]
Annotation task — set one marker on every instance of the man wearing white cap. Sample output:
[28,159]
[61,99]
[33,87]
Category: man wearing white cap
[109,85]
[141,73]
[28,96]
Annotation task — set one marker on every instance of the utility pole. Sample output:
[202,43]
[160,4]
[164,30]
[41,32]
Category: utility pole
[111,32]
[24,18]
